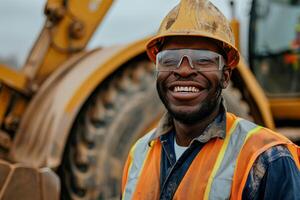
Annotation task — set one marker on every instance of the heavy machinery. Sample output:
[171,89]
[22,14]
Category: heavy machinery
[76,112]
[274,58]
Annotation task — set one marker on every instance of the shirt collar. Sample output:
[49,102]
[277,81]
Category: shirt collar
[215,129]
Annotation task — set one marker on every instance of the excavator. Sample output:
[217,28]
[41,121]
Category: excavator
[70,115]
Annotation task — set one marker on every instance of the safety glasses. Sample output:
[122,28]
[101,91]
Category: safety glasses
[199,60]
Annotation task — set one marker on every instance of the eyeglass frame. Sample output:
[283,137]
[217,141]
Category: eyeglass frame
[190,60]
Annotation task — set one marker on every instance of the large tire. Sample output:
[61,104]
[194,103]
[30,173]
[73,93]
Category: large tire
[120,110]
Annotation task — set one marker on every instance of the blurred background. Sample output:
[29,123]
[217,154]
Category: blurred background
[128,20]
[79,114]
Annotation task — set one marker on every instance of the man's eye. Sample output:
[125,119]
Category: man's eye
[204,61]
[169,62]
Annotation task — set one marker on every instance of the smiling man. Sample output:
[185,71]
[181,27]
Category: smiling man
[198,150]
[189,83]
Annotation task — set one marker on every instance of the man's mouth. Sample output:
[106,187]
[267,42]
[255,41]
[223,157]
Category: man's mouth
[191,89]
[186,91]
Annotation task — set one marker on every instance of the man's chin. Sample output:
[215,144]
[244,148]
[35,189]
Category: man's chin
[187,117]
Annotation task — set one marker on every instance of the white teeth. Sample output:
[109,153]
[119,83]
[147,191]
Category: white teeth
[186,89]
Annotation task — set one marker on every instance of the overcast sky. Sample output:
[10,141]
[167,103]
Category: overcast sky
[128,20]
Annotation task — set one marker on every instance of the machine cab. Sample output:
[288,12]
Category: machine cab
[274,54]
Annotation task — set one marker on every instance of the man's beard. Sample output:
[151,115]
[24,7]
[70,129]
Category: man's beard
[206,109]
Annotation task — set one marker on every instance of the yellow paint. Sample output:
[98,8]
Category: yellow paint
[219,160]
[13,78]
[63,46]
[103,71]
[19,107]
[285,108]
[4,99]
[257,93]
[17,81]
[235,25]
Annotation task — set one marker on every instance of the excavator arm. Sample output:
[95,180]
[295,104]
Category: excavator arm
[67,30]
[68,27]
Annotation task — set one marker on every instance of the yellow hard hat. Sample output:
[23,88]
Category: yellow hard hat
[198,18]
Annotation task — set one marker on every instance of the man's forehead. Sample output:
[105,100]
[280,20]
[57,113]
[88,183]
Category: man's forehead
[183,42]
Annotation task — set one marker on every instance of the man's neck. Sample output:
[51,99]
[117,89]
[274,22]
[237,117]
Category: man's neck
[185,133]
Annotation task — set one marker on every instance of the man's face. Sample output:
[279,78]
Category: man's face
[205,88]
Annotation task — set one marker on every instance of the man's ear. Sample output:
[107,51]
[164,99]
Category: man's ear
[226,74]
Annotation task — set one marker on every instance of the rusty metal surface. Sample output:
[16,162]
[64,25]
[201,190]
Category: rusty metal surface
[41,137]
[18,181]
[28,138]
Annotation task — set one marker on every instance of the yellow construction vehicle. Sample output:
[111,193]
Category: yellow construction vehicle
[76,112]
[273,57]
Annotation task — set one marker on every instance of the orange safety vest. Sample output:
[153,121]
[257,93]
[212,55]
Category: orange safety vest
[219,171]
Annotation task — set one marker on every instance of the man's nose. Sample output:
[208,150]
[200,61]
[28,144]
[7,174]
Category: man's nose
[185,69]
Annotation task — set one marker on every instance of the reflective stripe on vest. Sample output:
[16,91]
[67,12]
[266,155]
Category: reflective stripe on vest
[217,172]
[139,154]
[219,183]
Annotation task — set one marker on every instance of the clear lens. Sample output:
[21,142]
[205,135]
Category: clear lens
[199,60]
